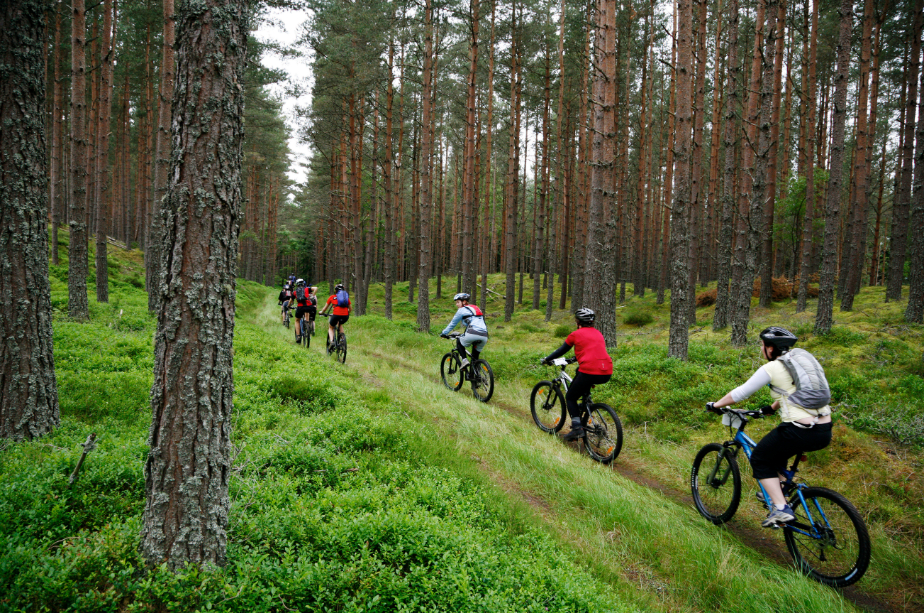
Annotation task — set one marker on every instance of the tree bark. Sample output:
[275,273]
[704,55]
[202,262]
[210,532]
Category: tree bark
[808,227]
[426,140]
[103,187]
[78,264]
[824,316]
[732,109]
[513,173]
[28,390]
[899,236]
[678,341]
[187,470]
[914,311]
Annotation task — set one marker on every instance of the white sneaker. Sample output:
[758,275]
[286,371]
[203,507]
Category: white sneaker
[464,363]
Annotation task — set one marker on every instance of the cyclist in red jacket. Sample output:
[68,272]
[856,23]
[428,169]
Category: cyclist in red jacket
[594,365]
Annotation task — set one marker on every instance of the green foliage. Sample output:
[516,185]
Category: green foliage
[562,331]
[637,317]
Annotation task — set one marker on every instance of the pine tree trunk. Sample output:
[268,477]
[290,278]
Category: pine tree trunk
[732,110]
[78,264]
[103,187]
[808,228]
[899,236]
[28,390]
[680,208]
[914,312]
[187,470]
[824,316]
[162,150]
[57,147]
[426,143]
[513,174]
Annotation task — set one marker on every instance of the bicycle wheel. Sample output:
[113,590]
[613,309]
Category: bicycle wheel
[603,433]
[482,380]
[451,372]
[285,319]
[828,539]
[341,348]
[716,499]
[306,338]
[548,407]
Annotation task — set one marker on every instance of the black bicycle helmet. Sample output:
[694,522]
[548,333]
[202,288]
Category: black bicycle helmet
[778,337]
[462,296]
[338,287]
[585,316]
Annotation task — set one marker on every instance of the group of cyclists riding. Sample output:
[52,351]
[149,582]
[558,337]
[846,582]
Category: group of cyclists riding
[803,428]
[305,300]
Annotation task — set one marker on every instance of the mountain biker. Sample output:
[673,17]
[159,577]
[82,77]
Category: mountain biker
[594,365]
[303,300]
[476,331]
[802,429]
[285,298]
[341,314]
[312,304]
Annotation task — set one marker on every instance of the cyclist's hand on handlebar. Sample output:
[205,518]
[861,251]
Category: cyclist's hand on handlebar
[444,336]
[544,361]
[710,406]
[767,410]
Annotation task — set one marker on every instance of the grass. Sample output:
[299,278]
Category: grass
[369,486]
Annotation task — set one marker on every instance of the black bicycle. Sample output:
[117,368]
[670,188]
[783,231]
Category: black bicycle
[285,316]
[602,428]
[454,374]
[305,337]
[827,539]
[339,346]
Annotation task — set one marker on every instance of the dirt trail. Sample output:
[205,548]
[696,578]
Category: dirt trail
[758,539]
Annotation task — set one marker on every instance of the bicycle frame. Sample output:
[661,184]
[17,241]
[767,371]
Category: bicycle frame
[745,442]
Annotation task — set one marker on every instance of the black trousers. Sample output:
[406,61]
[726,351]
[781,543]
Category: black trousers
[783,442]
[579,388]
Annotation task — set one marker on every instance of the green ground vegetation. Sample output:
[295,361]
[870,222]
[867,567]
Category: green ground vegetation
[368,486]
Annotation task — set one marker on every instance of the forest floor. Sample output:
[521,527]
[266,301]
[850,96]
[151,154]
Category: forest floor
[368,486]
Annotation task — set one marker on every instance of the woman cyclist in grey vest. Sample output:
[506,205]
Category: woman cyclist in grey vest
[476,332]
[802,429]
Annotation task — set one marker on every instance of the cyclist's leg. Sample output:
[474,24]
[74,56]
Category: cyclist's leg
[579,388]
[461,348]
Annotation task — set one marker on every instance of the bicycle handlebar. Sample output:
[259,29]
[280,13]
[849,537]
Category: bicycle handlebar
[755,413]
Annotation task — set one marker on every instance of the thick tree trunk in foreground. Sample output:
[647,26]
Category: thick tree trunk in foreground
[103,188]
[914,312]
[809,222]
[28,391]
[824,316]
[78,304]
[187,471]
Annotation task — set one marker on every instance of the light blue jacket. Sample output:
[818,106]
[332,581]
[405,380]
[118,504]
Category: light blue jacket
[472,323]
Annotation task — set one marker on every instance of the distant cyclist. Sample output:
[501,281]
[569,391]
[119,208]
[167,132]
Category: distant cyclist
[802,429]
[339,301]
[476,331]
[285,298]
[303,300]
[312,306]
[594,365]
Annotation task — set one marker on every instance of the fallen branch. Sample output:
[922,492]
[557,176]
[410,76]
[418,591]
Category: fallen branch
[88,446]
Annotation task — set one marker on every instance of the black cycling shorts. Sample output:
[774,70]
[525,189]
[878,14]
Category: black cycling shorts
[300,311]
[339,319]
[772,452]
[312,312]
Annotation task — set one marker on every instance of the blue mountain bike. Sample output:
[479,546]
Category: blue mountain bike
[827,539]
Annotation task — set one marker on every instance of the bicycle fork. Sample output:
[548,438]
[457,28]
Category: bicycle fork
[727,452]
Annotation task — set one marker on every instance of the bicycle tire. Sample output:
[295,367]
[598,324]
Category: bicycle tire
[285,319]
[840,553]
[306,338]
[548,407]
[602,433]
[341,348]
[451,371]
[482,380]
[714,498]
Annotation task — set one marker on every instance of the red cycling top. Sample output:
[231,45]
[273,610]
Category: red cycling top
[590,351]
[338,310]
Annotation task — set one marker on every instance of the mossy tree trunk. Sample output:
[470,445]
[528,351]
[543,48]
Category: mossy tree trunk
[188,467]
[28,391]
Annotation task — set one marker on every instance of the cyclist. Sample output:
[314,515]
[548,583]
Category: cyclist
[476,331]
[802,429]
[594,365]
[312,306]
[303,300]
[285,298]
[339,301]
